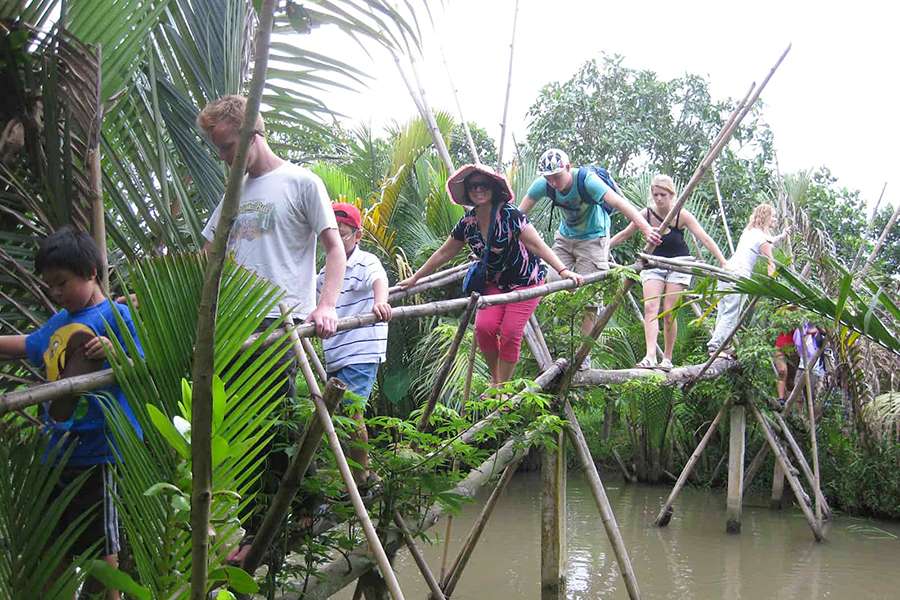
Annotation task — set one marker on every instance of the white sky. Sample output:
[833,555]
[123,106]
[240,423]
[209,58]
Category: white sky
[831,103]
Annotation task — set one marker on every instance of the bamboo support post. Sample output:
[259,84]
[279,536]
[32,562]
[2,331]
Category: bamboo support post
[449,359]
[665,513]
[785,465]
[305,451]
[606,514]
[470,143]
[314,359]
[95,179]
[512,47]
[534,337]
[626,472]
[448,584]
[859,252]
[735,469]
[325,418]
[202,367]
[722,209]
[433,584]
[553,518]
[810,402]
[755,465]
[439,143]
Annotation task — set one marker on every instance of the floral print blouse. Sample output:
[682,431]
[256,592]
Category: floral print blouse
[510,264]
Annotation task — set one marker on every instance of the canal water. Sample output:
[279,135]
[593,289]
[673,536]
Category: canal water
[775,555]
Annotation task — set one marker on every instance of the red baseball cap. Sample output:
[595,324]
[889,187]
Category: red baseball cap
[347,214]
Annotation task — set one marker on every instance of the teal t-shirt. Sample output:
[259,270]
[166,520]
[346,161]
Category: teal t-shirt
[581,220]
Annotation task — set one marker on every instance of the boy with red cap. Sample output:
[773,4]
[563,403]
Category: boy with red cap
[353,356]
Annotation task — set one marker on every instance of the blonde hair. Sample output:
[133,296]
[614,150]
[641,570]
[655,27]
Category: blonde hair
[228,109]
[762,217]
[662,181]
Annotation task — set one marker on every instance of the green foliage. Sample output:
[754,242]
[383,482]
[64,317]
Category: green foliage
[34,553]
[484,145]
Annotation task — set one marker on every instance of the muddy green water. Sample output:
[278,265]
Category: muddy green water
[775,556]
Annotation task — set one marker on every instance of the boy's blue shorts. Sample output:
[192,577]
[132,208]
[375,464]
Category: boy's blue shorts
[358,378]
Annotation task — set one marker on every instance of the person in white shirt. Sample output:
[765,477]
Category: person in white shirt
[353,355]
[756,240]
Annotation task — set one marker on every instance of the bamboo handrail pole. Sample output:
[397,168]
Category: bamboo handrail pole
[433,584]
[859,252]
[722,209]
[449,359]
[810,403]
[512,47]
[324,417]
[785,431]
[202,366]
[573,429]
[462,119]
[434,284]
[785,465]
[314,359]
[52,390]
[448,584]
[306,449]
[665,513]
[748,310]
[693,267]
[880,242]
[460,268]
[439,143]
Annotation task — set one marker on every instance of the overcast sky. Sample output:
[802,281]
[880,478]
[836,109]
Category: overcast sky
[833,102]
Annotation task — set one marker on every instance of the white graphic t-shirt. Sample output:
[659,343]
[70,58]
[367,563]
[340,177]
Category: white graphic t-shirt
[279,219]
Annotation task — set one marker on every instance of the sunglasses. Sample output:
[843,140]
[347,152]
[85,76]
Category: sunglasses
[478,186]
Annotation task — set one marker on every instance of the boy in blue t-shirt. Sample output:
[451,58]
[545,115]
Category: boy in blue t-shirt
[74,341]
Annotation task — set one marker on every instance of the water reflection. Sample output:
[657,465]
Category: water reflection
[693,558]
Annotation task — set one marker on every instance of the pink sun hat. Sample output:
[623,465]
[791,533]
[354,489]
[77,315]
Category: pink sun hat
[456,184]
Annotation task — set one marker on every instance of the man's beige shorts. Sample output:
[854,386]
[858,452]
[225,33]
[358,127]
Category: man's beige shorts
[582,256]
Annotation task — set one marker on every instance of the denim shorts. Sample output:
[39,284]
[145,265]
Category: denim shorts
[358,378]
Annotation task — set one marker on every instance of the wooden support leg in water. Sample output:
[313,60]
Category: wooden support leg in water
[755,465]
[433,584]
[776,501]
[449,583]
[576,436]
[665,513]
[325,418]
[789,473]
[553,520]
[735,469]
[804,466]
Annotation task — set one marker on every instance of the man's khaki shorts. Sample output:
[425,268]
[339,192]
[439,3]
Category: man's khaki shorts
[581,256]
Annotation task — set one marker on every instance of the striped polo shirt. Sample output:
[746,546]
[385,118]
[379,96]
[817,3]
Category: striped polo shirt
[364,344]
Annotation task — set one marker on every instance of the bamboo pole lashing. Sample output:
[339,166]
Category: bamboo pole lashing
[786,468]
[573,429]
[324,417]
[665,513]
[305,450]
[449,583]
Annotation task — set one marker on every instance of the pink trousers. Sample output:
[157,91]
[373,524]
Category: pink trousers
[499,329]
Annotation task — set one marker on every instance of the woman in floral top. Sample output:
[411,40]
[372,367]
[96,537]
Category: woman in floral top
[514,262]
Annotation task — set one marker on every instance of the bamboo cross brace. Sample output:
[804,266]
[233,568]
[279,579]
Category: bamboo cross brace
[325,418]
[573,429]
[813,442]
[788,470]
[433,584]
[801,460]
[449,359]
[448,584]
[305,450]
[665,513]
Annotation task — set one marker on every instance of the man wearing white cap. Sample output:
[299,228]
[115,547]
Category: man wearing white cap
[582,241]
